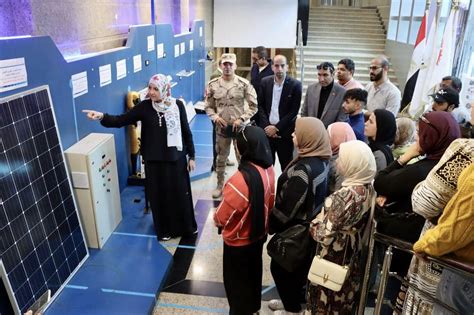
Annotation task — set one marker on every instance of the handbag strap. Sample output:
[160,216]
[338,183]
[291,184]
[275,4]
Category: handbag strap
[367,229]
[315,209]
[368,226]
[345,250]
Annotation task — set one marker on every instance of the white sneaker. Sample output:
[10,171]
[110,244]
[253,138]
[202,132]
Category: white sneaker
[283,312]
[217,193]
[275,305]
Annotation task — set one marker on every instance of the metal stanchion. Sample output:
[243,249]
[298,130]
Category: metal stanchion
[383,279]
[368,264]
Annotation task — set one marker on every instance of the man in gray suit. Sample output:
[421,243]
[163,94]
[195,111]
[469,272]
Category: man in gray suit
[324,98]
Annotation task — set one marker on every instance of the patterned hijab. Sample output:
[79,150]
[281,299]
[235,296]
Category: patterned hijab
[312,137]
[168,109]
[356,163]
[162,82]
[340,132]
[436,131]
[405,131]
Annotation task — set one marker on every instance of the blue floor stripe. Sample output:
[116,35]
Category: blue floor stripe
[178,246]
[194,308]
[78,287]
[133,234]
[209,246]
[267,289]
[128,293]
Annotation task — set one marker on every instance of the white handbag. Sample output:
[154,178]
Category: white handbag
[331,275]
[327,274]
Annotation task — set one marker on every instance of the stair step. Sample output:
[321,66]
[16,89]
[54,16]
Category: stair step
[335,33]
[355,16]
[332,23]
[361,55]
[355,35]
[348,42]
[346,10]
[345,31]
[347,46]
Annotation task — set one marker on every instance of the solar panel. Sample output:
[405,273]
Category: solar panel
[41,239]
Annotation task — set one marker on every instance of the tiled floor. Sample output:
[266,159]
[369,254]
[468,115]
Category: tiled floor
[199,289]
[194,282]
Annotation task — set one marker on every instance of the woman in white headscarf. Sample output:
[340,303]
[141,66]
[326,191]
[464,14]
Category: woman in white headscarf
[339,228]
[168,151]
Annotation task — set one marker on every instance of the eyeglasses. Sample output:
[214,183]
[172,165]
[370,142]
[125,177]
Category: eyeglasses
[373,68]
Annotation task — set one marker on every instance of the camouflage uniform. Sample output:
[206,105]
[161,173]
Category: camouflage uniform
[230,100]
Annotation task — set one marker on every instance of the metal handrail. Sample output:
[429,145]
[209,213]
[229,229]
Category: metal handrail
[446,261]
[300,50]
[393,243]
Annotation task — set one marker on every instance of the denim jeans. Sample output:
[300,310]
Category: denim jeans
[457,291]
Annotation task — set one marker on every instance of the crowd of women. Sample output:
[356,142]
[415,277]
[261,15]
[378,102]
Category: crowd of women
[403,178]
[420,174]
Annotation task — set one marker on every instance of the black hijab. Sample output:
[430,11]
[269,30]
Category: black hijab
[254,148]
[385,136]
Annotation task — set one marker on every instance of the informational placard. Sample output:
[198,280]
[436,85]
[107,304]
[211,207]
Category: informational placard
[79,84]
[121,69]
[150,42]
[176,50]
[105,75]
[182,48]
[13,74]
[160,50]
[191,45]
[200,31]
[137,63]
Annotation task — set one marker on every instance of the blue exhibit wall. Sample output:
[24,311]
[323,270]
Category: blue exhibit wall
[45,65]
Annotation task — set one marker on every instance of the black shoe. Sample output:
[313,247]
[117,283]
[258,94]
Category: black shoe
[164,238]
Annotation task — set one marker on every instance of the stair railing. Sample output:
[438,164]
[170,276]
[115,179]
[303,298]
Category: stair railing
[300,50]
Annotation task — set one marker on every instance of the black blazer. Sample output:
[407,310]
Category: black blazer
[288,108]
[256,75]
[154,145]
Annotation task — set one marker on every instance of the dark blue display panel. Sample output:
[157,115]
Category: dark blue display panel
[41,240]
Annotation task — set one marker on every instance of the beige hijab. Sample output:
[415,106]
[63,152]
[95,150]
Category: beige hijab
[356,163]
[312,137]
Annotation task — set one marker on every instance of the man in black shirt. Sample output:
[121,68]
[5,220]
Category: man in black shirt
[324,98]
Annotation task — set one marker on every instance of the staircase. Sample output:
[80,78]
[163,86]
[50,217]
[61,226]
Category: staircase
[335,33]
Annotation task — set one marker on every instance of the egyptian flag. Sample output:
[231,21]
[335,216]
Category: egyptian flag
[445,60]
[416,60]
[430,53]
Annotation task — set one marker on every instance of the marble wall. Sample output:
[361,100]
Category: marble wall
[79,27]
[15,18]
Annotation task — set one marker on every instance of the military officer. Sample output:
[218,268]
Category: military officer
[231,100]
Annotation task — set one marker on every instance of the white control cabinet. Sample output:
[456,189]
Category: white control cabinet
[93,167]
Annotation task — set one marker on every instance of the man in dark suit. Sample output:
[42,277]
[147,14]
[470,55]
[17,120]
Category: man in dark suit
[324,98]
[279,99]
[261,68]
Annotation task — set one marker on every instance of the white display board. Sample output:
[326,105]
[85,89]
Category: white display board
[250,23]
